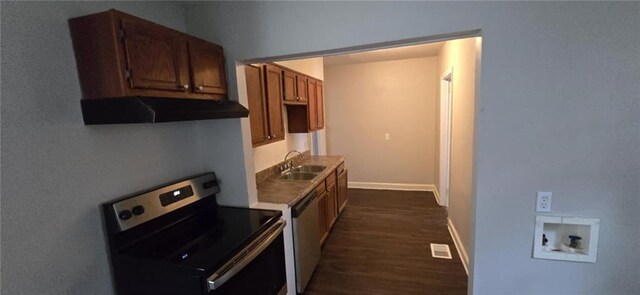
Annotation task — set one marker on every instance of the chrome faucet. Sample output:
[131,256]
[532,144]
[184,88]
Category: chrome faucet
[288,165]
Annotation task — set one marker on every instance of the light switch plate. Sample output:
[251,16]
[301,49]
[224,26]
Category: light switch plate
[543,201]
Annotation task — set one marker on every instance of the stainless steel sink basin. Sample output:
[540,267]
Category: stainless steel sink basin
[309,168]
[297,176]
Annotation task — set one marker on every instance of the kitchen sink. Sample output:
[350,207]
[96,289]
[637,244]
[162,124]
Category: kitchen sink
[297,176]
[309,168]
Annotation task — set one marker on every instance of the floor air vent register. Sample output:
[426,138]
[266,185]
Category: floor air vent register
[440,251]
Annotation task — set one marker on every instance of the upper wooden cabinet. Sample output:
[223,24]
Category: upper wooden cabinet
[312,105]
[264,92]
[154,58]
[206,61]
[273,82]
[295,87]
[309,117]
[120,55]
[257,104]
[320,105]
[301,84]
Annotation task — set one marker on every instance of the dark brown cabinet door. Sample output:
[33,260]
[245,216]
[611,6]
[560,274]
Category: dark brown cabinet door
[323,225]
[257,105]
[290,90]
[342,190]
[264,92]
[154,57]
[313,113]
[301,84]
[310,117]
[207,68]
[120,55]
[320,105]
[273,82]
[332,203]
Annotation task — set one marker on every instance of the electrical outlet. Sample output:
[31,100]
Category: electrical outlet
[543,201]
[386,136]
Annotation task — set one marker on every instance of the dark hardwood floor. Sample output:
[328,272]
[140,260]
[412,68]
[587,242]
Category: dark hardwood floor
[380,245]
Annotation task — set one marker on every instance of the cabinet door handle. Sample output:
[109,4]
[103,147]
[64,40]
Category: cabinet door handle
[274,136]
[185,86]
[200,87]
[268,137]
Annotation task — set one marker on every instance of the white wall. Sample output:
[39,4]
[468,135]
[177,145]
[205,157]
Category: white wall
[557,110]
[461,56]
[268,155]
[313,67]
[56,171]
[367,100]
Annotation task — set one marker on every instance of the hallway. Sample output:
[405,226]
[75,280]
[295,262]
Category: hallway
[380,245]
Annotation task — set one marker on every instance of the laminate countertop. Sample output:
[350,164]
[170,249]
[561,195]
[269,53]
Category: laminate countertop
[274,190]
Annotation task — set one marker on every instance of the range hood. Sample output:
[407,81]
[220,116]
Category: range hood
[122,110]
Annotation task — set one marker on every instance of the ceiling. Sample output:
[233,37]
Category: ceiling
[414,51]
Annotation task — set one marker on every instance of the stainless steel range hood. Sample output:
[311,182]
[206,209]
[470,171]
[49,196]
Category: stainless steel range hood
[124,110]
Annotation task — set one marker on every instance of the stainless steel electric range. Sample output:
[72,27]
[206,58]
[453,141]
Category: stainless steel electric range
[176,239]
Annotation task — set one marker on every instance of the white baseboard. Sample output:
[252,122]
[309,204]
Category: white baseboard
[437,195]
[392,186]
[459,246]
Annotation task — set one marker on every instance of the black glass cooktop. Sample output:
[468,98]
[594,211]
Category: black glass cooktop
[204,241]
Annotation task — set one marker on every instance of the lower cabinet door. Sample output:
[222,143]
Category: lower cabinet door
[342,190]
[322,216]
[332,205]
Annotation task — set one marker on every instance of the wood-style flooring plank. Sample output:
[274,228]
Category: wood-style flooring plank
[380,245]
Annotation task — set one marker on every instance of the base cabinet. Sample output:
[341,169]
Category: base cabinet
[322,216]
[332,196]
[342,190]
[332,203]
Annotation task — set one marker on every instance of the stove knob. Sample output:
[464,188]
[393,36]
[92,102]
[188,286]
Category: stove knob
[137,210]
[124,214]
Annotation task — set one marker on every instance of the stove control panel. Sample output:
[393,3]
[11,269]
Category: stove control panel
[135,210]
[124,214]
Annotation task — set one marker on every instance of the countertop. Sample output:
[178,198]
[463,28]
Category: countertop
[288,192]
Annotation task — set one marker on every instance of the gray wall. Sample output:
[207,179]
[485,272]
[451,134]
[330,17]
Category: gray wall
[557,110]
[56,171]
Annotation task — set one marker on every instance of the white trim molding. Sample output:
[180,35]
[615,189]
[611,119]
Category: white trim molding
[446,109]
[459,246]
[436,194]
[392,186]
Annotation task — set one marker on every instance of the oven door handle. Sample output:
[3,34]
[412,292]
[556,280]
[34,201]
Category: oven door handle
[248,254]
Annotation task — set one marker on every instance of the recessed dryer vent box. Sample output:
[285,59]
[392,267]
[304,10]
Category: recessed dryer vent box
[558,234]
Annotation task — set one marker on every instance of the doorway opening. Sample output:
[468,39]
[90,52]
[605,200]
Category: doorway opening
[446,97]
[391,111]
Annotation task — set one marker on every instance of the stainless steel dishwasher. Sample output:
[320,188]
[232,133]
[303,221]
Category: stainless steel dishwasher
[306,239]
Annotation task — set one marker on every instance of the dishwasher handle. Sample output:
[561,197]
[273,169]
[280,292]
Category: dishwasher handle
[245,257]
[303,204]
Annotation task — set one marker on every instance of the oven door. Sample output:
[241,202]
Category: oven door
[257,269]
